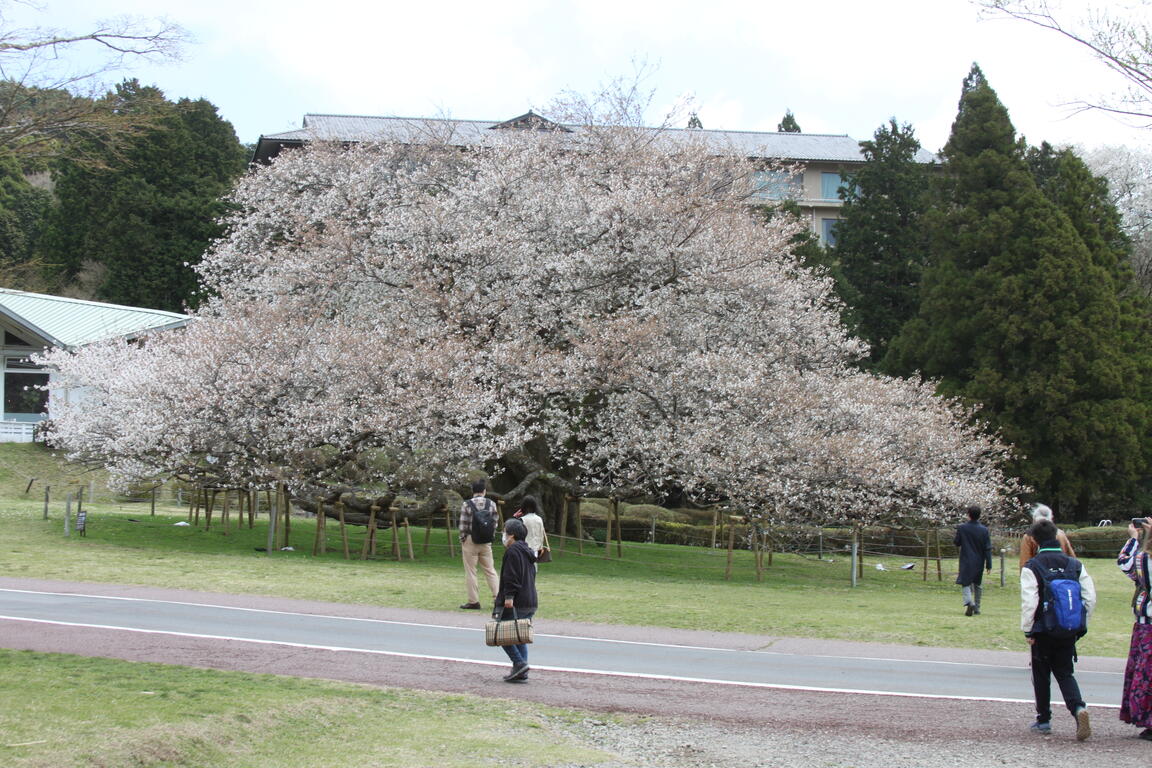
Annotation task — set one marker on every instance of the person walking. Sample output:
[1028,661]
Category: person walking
[516,597]
[476,543]
[1136,701]
[1028,544]
[975,545]
[1053,655]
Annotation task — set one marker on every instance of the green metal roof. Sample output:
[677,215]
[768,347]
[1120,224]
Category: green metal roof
[63,322]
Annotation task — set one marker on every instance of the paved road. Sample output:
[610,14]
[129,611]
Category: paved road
[571,653]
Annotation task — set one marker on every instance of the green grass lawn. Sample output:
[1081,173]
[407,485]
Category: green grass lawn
[101,713]
[657,585]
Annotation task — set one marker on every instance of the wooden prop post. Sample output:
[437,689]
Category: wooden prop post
[193,502]
[287,516]
[408,538]
[731,547]
[224,510]
[563,523]
[209,502]
[715,525]
[939,558]
[370,535]
[395,534]
[579,526]
[320,542]
[758,551]
[452,536]
[46,489]
[927,545]
[154,500]
[619,531]
[343,529]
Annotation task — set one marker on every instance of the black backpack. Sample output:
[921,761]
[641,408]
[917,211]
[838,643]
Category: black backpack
[483,522]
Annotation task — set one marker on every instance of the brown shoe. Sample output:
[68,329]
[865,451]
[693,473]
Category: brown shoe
[1083,727]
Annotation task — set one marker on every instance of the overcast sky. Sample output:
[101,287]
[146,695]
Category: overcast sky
[842,66]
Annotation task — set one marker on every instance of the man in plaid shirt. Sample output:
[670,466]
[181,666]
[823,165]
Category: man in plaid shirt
[476,553]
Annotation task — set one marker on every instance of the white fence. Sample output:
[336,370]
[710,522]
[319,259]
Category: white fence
[16,431]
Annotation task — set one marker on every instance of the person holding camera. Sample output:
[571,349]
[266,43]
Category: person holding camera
[1136,702]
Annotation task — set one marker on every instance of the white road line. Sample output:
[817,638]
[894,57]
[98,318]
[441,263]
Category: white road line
[575,670]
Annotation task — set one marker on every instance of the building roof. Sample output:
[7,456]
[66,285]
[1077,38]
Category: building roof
[65,322]
[353,128]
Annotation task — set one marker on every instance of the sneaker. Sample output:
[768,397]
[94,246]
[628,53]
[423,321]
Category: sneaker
[1043,729]
[971,609]
[470,607]
[1083,727]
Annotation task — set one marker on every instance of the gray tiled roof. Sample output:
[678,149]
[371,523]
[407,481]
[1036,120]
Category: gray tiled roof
[65,322]
[352,128]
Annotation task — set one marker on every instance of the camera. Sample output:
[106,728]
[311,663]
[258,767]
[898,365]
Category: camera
[1139,522]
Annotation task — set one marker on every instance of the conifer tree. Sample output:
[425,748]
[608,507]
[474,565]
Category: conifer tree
[139,220]
[788,124]
[1019,316]
[880,243]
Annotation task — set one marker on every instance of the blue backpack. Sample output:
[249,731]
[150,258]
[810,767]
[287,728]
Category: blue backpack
[1061,613]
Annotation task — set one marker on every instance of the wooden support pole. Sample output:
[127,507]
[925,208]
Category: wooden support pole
[224,510]
[46,489]
[758,551]
[317,547]
[564,522]
[343,529]
[154,500]
[579,526]
[619,532]
[395,534]
[370,534]
[927,545]
[715,524]
[192,502]
[731,546]
[287,515]
[408,538]
[208,504]
[939,558]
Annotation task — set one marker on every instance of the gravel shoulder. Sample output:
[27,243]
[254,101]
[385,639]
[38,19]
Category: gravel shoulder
[655,722]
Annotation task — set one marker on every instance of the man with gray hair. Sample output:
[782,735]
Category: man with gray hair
[1028,546]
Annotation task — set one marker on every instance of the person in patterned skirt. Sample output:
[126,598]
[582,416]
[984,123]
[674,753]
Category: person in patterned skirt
[1136,703]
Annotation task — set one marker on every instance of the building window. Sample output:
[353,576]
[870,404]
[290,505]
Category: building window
[776,185]
[22,400]
[830,184]
[828,232]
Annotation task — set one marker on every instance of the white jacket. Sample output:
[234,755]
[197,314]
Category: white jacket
[1030,595]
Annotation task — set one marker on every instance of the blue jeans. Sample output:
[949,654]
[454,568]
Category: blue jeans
[517,653]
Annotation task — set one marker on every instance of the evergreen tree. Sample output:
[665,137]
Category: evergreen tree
[1019,316]
[146,214]
[880,244]
[788,124]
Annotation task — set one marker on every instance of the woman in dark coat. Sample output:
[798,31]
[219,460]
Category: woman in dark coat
[517,593]
[975,545]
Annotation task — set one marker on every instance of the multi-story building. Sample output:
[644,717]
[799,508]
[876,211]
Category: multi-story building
[819,160]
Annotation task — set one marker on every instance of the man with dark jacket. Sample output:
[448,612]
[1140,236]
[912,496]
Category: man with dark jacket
[975,556]
[517,594]
[1052,656]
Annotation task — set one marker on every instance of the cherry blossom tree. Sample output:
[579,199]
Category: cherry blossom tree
[416,308]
